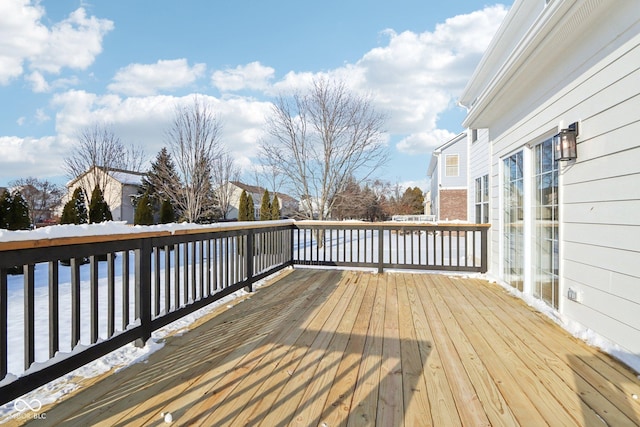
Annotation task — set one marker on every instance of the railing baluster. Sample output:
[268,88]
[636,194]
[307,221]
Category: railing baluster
[93,298]
[194,259]
[215,264]
[201,281]
[208,246]
[29,314]
[167,279]
[156,281]
[75,302]
[176,275]
[229,261]
[54,309]
[185,273]
[419,247]
[125,290]
[4,313]
[111,294]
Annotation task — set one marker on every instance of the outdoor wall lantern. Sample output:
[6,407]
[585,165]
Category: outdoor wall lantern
[565,143]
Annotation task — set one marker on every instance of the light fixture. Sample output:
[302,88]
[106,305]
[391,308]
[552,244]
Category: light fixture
[565,143]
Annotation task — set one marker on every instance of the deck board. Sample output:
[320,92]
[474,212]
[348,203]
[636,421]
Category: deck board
[342,348]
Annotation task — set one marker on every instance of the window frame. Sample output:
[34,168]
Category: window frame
[447,166]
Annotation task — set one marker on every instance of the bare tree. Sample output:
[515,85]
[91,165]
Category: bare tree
[223,171]
[194,141]
[41,196]
[101,151]
[321,139]
[269,177]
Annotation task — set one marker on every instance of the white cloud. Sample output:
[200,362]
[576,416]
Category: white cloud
[23,157]
[148,79]
[22,36]
[71,43]
[41,116]
[38,82]
[422,142]
[251,76]
[416,77]
[143,121]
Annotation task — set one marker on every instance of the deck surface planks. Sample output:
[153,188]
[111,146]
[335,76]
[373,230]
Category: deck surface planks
[341,348]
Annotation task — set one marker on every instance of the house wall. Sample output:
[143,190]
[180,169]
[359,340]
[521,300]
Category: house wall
[435,192]
[599,197]
[440,182]
[453,205]
[125,208]
[460,181]
[479,160]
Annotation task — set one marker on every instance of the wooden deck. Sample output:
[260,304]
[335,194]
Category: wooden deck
[328,348]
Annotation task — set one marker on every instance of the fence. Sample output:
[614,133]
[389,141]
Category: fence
[98,293]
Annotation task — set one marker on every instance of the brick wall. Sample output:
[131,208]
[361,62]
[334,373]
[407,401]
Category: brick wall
[453,205]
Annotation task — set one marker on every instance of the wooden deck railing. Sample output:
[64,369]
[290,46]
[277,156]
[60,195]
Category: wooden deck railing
[134,284]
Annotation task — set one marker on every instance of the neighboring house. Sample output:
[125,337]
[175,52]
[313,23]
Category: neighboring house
[120,187]
[427,203]
[566,232]
[288,205]
[448,175]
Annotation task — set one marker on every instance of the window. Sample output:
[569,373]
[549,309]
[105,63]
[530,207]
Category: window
[545,203]
[513,211]
[482,200]
[451,165]
[474,135]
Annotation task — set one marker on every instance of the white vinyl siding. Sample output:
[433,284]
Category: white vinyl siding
[599,195]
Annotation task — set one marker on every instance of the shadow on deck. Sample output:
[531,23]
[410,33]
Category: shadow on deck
[329,347]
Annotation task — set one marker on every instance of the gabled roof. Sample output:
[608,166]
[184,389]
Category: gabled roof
[123,176]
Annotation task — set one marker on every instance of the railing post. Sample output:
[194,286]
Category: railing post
[380,250]
[484,256]
[291,244]
[143,290]
[249,261]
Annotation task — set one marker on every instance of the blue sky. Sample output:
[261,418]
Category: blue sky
[67,64]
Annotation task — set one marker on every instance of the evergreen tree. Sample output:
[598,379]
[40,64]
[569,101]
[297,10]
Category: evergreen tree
[98,208]
[265,207]
[163,172]
[251,212]
[144,212]
[275,208]
[14,215]
[75,210]
[5,209]
[19,218]
[167,214]
[242,207]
